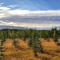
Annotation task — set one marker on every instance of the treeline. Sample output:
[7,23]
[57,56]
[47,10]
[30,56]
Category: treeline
[27,34]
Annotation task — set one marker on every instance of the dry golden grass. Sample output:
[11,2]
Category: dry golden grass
[12,53]
[44,56]
[55,58]
[8,43]
[24,52]
[48,45]
[9,47]
[22,44]
[58,49]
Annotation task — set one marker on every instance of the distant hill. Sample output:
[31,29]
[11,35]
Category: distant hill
[12,27]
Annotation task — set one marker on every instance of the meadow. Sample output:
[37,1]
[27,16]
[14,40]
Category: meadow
[29,44]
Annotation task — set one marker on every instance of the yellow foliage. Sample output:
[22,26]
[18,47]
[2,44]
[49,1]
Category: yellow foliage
[48,45]
[22,44]
[8,43]
[55,58]
[26,53]
[8,47]
[12,53]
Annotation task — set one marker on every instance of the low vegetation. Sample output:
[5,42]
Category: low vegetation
[29,44]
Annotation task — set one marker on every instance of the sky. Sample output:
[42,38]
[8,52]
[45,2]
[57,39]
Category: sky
[30,13]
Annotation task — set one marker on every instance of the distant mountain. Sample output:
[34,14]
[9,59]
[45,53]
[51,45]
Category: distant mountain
[13,27]
[25,28]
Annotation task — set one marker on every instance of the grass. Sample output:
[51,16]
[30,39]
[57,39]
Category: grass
[24,52]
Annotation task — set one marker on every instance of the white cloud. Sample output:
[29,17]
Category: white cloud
[4,12]
[31,25]
[19,12]
[7,12]
[7,23]
[4,8]
[35,13]
[35,25]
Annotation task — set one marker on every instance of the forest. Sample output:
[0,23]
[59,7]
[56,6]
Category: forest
[29,34]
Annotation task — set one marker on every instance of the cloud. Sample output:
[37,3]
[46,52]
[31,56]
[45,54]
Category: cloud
[7,23]
[19,12]
[35,13]
[35,25]
[29,25]
[4,11]
[4,8]
[7,12]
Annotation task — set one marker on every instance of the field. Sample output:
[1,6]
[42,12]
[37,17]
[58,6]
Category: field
[29,45]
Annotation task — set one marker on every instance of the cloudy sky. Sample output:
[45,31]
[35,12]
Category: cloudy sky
[30,13]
